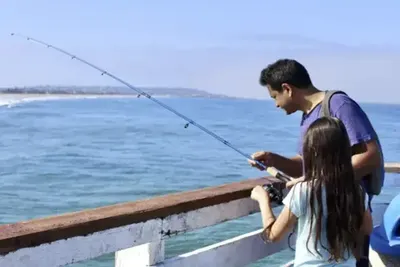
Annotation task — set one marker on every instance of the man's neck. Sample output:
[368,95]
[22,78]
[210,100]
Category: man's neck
[310,99]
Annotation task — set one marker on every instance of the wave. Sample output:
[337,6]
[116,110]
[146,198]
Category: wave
[12,100]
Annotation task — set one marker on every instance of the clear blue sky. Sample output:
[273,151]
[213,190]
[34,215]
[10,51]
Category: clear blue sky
[217,46]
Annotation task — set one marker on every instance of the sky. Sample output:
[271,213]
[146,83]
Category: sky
[216,46]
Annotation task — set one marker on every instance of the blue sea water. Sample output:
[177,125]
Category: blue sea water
[68,155]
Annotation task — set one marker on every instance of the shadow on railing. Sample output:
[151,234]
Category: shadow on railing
[136,231]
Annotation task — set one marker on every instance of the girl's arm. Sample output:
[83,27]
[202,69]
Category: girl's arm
[365,230]
[274,229]
[366,226]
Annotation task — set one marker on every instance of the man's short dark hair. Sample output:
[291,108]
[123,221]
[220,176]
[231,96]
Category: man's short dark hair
[285,71]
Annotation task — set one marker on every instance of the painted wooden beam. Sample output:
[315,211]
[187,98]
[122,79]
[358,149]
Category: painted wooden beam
[392,167]
[35,232]
[77,236]
[80,248]
[244,249]
[381,260]
[235,252]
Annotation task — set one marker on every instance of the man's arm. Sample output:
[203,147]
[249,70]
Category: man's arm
[366,158]
[363,139]
[291,166]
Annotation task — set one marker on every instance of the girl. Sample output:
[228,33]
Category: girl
[329,234]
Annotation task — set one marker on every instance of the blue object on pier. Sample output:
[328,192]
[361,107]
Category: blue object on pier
[385,238]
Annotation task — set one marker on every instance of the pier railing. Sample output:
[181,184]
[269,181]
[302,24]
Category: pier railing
[136,231]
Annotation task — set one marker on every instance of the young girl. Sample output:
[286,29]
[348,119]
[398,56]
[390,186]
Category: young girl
[332,234]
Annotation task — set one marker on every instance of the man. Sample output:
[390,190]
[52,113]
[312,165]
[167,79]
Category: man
[289,84]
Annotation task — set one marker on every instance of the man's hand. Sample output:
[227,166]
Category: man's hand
[294,181]
[291,166]
[263,157]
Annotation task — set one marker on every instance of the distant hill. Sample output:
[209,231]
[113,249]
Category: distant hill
[109,90]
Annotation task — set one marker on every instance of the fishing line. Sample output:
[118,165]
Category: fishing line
[281,176]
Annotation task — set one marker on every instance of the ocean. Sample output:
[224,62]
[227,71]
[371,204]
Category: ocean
[63,155]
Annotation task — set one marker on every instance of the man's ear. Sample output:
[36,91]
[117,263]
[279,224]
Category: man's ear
[286,88]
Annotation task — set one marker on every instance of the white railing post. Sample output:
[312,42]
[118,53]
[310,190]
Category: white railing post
[141,256]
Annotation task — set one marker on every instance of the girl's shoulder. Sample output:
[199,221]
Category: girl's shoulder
[296,199]
[301,188]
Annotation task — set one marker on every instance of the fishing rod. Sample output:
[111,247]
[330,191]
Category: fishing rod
[281,176]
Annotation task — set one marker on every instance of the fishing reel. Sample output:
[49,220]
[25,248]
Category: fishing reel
[275,194]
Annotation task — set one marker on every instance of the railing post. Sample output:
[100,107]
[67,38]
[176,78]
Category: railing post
[141,256]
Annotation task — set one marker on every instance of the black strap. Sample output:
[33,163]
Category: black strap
[325,108]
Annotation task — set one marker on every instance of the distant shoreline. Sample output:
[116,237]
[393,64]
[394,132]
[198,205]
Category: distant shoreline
[27,96]
[106,91]
[90,95]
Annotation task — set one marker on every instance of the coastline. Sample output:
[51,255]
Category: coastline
[30,95]
[21,95]
[7,99]
[11,99]
[37,96]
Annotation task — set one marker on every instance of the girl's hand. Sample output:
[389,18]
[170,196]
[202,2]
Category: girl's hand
[259,194]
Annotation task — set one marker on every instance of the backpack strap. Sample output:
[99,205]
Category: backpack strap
[325,106]
[374,183]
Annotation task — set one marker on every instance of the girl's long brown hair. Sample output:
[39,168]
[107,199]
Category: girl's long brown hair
[327,164]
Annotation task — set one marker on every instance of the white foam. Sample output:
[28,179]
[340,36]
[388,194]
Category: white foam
[11,100]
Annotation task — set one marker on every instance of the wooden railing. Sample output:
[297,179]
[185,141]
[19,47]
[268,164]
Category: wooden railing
[136,231]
